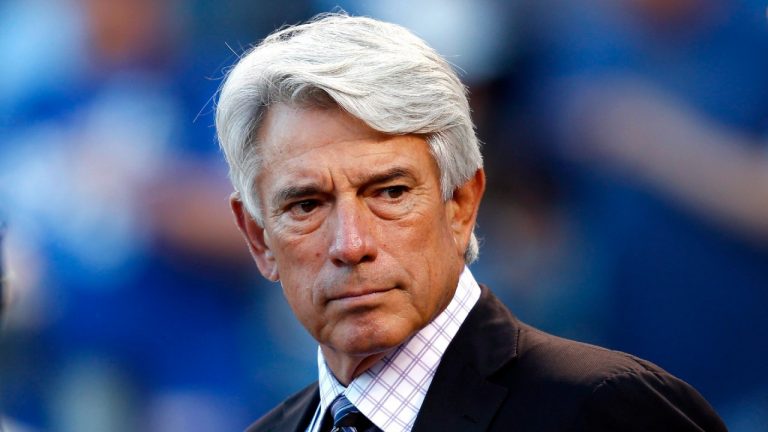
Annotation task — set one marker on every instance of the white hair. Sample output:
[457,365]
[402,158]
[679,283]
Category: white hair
[378,72]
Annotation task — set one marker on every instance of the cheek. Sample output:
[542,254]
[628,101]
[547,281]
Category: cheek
[299,262]
[438,257]
[298,294]
[437,237]
[300,256]
[425,238]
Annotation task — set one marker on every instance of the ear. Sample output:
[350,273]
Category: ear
[462,209]
[257,240]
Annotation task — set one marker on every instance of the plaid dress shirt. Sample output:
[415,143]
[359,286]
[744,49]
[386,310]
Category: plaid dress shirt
[391,392]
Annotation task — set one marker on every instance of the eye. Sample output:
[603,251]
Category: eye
[304,207]
[393,192]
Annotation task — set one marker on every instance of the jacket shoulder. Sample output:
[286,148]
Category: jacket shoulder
[608,390]
[290,413]
[572,362]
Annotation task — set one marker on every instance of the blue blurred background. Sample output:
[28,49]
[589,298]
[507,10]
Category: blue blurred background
[625,145]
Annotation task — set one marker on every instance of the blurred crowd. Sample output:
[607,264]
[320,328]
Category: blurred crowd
[625,146]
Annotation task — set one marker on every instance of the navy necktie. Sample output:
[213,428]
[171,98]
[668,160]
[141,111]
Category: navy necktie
[347,418]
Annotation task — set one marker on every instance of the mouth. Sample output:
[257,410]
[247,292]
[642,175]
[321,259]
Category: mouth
[359,295]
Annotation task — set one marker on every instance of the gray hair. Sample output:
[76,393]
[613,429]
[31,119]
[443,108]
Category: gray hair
[378,72]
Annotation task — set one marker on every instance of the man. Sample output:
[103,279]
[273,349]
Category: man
[358,178]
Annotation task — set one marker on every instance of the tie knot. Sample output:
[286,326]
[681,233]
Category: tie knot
[343,411]
[346,416]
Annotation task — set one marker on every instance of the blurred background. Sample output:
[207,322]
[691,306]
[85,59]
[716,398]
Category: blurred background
[627,158]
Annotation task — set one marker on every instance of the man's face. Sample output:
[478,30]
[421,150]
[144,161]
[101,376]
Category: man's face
[355,228]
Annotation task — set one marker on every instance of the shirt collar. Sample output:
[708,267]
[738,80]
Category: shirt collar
[391,392]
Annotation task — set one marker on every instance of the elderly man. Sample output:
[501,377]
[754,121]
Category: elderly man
[358,178]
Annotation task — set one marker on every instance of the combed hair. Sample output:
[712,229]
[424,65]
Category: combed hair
[378,72]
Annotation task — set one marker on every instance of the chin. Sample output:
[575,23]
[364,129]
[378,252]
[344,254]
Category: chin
[367,340]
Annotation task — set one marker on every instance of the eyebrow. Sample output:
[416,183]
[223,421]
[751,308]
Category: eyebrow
[291,193]
[388,175]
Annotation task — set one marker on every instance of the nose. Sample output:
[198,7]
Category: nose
[353,241]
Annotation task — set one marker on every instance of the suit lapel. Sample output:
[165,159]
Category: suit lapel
[465,402]
[461,398]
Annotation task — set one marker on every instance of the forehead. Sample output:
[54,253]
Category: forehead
[288,130]
[311,142]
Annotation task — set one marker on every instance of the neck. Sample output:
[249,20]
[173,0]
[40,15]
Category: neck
[346,368]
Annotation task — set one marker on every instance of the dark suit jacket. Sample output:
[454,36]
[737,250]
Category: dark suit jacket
[500,374]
